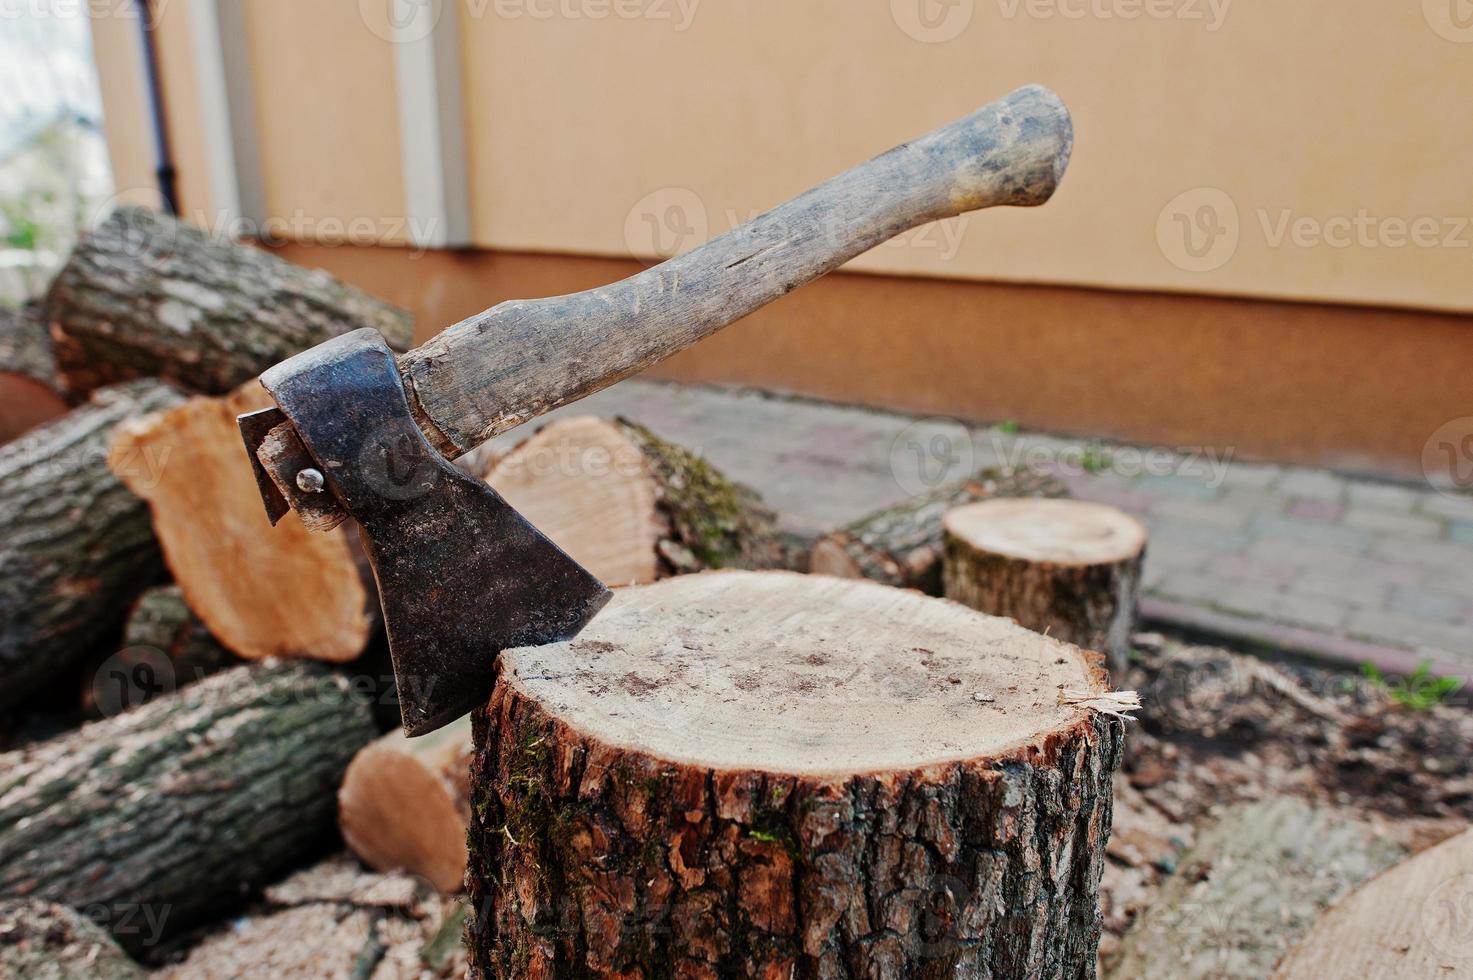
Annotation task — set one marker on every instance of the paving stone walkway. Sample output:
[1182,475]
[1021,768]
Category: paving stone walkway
[1337,567]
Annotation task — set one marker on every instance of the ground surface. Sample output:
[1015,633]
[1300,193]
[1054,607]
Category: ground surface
[1298,559]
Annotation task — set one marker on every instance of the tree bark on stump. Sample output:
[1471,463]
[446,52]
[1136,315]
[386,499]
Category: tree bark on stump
[76,545]
[631,507]
[165,647]
[744,774]
[1068,567]
[146,295]
[405,803]
[902,545]
[45,941]
[30,392]
[181,807]
[262,591]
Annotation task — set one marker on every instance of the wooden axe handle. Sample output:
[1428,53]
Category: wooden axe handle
[522,358]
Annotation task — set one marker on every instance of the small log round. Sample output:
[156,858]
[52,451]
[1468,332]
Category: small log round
[262,591]
[631,507]
[46,940]
[763,774]
[1070,568]
[405,803]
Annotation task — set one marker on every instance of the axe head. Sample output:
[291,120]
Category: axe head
[461,575]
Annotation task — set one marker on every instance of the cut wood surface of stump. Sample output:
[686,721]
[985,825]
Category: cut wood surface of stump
[405,803]
[741,774]
[1068,567]
[147,295]
[76,545]
[631,507]
[903,545]
[260,590]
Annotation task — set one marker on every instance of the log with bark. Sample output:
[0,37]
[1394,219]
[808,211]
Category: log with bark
[46,941]
[179,808]
[902,545]
[146,295]
[164,647]
[632,507]
[262,591]
[30,391]
[1068,567]
[763,774]
[76,545]
[405,803]
[1252,884]
[1413,920]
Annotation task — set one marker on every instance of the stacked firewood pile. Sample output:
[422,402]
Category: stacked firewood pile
[201,776]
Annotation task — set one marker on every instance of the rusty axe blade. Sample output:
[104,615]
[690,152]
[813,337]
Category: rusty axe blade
[461,575]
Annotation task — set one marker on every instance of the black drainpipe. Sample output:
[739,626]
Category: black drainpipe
[163,158]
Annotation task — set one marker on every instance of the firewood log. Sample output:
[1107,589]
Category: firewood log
[1069,567]
[632,507]
[763,774]
[76,545]
[146,295]
[902,545]
[179,808]
[261,591]
[46,940]
[30,391]
[405,803]
[164,647]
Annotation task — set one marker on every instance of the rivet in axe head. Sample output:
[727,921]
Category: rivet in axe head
[310,481]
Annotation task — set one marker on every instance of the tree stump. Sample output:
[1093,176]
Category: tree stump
[76,545]
[763,774]
[631,507]
[903,545]
[405,802]
[1068,567]
[146,295]
[262,591]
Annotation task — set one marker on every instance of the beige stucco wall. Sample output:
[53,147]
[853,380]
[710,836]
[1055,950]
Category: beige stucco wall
[1315,132]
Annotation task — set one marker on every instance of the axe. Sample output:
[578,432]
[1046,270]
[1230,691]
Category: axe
[358,432]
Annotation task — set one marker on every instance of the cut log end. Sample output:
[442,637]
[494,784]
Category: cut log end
[262,591]
[631,507]
[1060,532]
[404,804]
[767,774]
[781,673]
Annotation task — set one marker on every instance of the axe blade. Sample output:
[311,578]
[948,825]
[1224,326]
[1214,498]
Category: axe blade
[461,575]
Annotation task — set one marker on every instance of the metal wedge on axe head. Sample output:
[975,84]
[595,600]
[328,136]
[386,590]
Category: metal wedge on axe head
[357,432]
